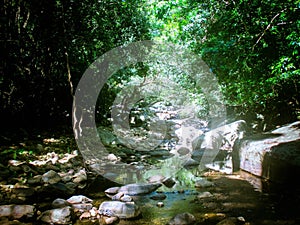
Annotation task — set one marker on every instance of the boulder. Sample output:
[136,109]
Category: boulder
[51,177]
[133,189]
[17,211]
[139,189]
[57,216]
[156,178]
[123,210]
[78,199]
[274,156]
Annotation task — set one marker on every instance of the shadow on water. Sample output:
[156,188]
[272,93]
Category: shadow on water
[238,195]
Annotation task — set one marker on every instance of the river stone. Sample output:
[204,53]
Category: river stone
[139,189]
[85,215]
[182,219]
[17,211]
[126,198]
[112,157]
[51,177]
[57,216]
[109,220]
[156,178]
[183,151]
[35,180]
[83,206]
[112,190]
[232,221]
[169,182]
[159,153]
[133,189]
[80,176]
[205,194]
[123,210]
[202,183]
[117,196]
[60,203]
[78,199]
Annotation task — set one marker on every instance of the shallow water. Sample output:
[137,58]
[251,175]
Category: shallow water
[233,196]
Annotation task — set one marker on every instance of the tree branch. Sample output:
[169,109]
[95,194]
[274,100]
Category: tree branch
[267,28]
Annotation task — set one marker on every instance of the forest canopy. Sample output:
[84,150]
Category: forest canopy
[251,46]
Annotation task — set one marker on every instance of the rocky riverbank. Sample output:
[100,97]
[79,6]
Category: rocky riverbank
[47,181]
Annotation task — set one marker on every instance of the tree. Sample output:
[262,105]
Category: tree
[47,45]
[252,47]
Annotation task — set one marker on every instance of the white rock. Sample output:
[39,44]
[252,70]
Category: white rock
[57,216]
[77,199]
[123,210]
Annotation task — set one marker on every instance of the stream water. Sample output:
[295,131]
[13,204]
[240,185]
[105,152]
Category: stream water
[240,195]
[235,195]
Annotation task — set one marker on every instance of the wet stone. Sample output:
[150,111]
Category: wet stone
[159,196]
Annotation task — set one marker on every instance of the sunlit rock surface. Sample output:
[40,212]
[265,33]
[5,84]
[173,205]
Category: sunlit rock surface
[274,155]
[134,189]
[123,210]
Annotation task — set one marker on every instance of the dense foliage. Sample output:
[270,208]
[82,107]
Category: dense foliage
[47,45]
[252,47]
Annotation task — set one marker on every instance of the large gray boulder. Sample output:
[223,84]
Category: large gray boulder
[274,156]
[123,210]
